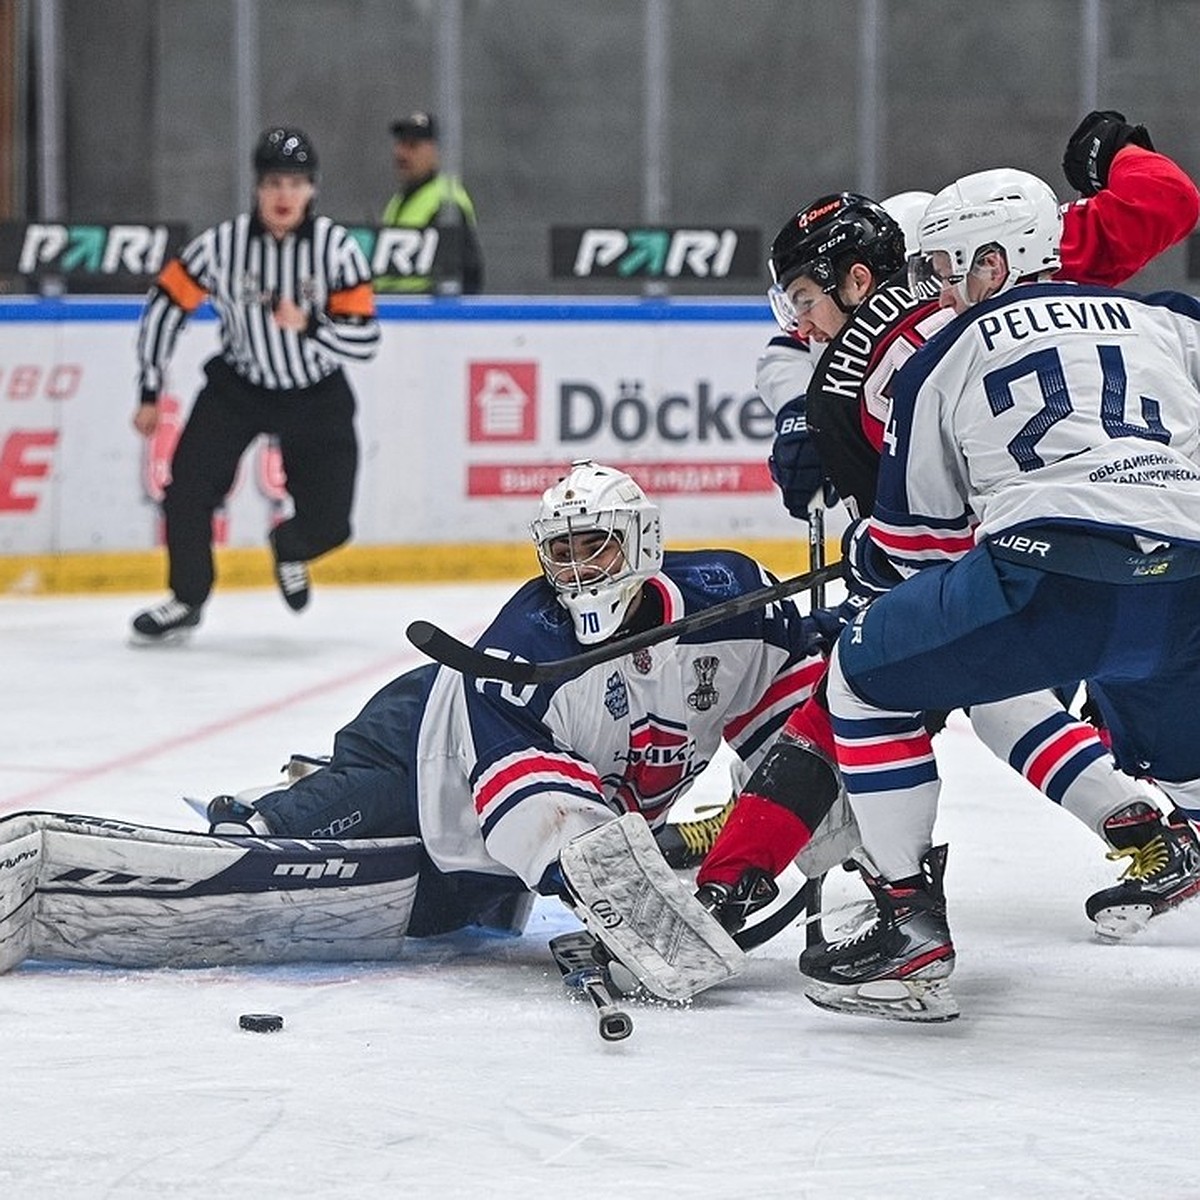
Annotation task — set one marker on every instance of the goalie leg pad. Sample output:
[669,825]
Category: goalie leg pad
[136,896]
[635,904]
[20,864]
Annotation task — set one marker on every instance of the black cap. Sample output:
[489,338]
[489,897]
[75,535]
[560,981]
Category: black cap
[418,126]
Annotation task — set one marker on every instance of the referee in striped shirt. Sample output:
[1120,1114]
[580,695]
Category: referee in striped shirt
[292,292]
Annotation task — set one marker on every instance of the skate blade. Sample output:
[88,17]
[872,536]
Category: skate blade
[925,1000]
[1122,921]
[176,637]
[199,807]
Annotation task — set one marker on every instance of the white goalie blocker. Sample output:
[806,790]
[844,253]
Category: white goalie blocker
[87,889]
[634,904]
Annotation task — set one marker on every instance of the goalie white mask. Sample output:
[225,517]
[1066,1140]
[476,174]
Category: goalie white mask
[598,539]
[1005,208]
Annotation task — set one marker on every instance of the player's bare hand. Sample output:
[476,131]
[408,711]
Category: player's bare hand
[145,420]
[289,315]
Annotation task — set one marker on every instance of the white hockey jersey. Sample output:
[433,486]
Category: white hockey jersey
[506,775]
[1049,403]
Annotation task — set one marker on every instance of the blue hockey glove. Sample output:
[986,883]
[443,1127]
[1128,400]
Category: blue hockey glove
[795,464]
[827,623]
[864,566]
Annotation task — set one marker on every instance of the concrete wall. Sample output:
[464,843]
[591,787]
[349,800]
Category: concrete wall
[763,111]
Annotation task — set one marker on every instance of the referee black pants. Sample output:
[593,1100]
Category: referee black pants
[315,427]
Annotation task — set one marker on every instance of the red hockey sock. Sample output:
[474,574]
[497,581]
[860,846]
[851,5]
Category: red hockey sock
[759,833]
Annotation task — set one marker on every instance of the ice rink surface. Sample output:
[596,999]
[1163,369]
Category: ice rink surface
[463,1070]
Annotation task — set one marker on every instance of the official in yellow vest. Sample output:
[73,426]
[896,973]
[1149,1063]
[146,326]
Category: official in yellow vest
[428,198]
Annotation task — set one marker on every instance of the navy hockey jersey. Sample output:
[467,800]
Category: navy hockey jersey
[538,765]
[1050,403]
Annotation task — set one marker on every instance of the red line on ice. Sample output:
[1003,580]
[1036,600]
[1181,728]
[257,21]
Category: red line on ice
[135,757]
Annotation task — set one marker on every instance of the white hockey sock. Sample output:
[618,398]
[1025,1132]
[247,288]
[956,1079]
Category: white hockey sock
[1059,755]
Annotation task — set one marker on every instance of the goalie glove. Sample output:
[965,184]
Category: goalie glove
[1093,146]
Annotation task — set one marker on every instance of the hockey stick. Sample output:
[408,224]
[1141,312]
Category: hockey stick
[574,954]
[811,891]
[450,652]
[806,899]
[816,547]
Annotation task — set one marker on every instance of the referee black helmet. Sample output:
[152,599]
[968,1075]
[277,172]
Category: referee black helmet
[283,149]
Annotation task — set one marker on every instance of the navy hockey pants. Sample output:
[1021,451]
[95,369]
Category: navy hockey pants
[369,790]
[983,629]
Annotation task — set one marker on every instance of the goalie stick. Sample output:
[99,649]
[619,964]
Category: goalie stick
[582,971]
[450,652]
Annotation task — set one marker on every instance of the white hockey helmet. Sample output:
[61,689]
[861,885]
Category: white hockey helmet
[1011,209]
[594,584]
[907,209]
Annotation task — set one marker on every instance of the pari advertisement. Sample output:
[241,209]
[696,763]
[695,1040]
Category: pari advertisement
[470,410]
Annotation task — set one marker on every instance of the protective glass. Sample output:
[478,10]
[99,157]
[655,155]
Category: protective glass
[787,311]
[932,272]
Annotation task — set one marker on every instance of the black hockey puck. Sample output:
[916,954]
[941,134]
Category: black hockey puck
[261,1022]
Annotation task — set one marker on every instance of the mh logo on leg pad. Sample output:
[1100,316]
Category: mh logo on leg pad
[335,868]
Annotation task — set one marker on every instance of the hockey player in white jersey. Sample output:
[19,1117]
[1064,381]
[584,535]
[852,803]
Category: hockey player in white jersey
[498,780]
[451,801]
[838,266]
[1038,512]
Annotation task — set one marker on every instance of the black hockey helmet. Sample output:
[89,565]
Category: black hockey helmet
[283,149]
[829,234]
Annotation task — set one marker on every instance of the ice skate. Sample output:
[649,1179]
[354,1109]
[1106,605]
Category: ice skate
[685,843]
[301,765]
[170,622]
[1163,872]
[896,967]
[230,815]
[293,581]
[732,905]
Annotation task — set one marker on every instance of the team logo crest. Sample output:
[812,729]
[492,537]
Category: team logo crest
[616,698]
[661,759]
[705,695]
[642,661]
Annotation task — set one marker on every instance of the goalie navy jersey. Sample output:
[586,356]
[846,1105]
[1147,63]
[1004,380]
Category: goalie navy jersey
[547,762]
[1050,403]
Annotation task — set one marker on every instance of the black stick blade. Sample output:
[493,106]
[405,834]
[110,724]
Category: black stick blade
[450,652]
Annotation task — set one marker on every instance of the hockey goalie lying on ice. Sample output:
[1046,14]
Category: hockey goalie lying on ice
[450,801]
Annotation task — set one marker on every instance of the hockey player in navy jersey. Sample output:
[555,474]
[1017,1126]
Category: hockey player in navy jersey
[1038,512]
[496,780]
[835,266]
